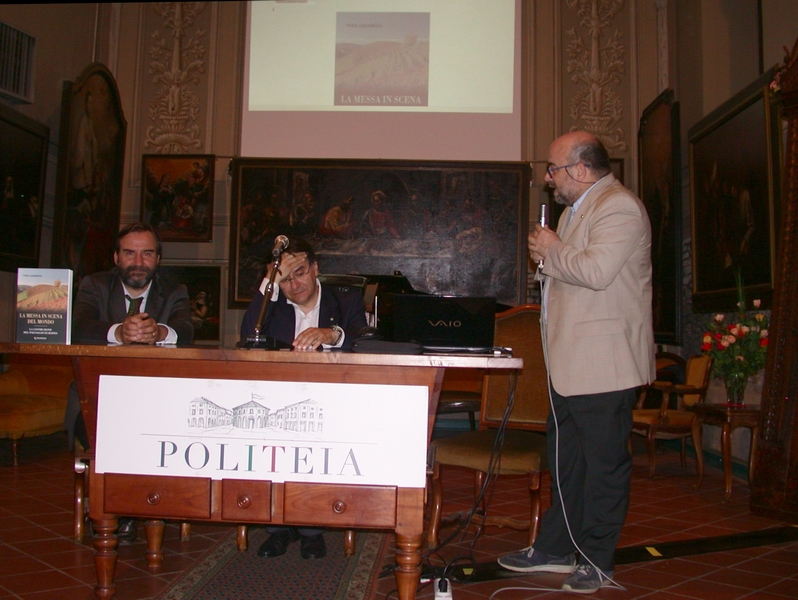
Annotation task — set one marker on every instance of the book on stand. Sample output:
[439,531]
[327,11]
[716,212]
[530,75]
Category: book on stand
[44,306]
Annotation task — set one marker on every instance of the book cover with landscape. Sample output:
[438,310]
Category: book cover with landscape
[382,59]
[44,306]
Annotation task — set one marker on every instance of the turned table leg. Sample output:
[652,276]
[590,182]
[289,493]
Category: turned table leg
[409,535]
[242,542]
[725,444]
[349,542]
[698,443]
[105,544]
[154,529]
[408,565]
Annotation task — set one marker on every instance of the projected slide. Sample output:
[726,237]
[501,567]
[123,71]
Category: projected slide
[404,79]
[382,59]
[411,55]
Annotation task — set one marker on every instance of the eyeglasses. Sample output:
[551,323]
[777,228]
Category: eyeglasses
[551,169]
[298,274]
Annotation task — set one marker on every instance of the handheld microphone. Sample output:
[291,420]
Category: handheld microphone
[544,219]
[280,244]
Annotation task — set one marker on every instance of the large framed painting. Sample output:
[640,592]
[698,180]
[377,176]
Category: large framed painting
[734,184]
[177,196]
[91,159]
[204,283]
[659,162]
[23,162]
[454,228]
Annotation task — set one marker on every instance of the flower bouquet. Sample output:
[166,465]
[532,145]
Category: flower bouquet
[738,348]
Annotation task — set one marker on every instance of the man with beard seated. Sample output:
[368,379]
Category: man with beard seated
[130,304]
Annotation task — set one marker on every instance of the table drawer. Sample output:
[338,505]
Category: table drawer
[156,496]
[245,501]
[340,505]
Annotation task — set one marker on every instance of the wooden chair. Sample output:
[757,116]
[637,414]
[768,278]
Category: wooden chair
[670,368]
[664,423]
[461,392]
[524,450]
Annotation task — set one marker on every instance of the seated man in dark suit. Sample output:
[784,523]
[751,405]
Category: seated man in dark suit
[309,316]
[127,305]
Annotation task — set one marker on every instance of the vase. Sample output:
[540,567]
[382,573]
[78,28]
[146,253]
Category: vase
[735,388]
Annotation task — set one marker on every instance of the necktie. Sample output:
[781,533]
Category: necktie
[135,305]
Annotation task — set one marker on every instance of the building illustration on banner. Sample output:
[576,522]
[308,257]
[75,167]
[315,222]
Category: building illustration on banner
[300,417]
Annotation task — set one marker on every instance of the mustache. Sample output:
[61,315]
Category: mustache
[137,277]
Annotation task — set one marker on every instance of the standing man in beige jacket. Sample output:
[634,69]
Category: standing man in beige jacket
[599,343]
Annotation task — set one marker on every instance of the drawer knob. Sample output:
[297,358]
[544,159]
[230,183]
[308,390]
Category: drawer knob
[339,507]
[243,501]
[153,498]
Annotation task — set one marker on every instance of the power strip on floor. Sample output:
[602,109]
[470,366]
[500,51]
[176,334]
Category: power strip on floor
[443,589]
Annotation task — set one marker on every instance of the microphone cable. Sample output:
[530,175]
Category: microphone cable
[494,462]
[615,584]
[557,460]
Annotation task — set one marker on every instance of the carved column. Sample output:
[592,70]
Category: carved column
[595,61]
[774,491]
[177,88]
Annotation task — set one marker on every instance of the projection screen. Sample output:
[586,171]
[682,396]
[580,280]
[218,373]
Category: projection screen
[398,79]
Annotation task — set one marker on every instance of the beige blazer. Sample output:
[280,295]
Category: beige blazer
[599,330]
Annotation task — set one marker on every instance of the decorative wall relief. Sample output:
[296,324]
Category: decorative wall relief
[595,61]
[176,61]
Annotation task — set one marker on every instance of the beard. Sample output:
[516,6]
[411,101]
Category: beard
[137,278]
[559,199]
[562,196]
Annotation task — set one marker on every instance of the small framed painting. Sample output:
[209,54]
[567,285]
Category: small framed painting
[177,196]
[204,283]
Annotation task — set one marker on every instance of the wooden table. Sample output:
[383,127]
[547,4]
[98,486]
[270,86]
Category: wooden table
[230,500]
[728,417]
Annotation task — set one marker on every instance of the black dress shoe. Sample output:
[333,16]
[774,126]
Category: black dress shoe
[313,547]
[126,532]
[278,542]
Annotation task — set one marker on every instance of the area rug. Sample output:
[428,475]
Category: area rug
[227,573]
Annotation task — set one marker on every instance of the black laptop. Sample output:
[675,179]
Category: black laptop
[445,324]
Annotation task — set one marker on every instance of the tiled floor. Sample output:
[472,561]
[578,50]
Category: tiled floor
[39,560]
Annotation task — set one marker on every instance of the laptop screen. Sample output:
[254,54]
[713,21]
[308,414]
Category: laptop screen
[445,323]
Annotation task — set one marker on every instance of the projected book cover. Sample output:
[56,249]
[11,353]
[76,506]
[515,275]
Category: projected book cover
[382,59]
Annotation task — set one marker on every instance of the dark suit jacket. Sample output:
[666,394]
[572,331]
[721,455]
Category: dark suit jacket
[339,306]
[100,303]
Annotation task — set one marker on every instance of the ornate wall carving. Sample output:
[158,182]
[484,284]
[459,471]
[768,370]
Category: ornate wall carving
[177,67]
[594,59]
